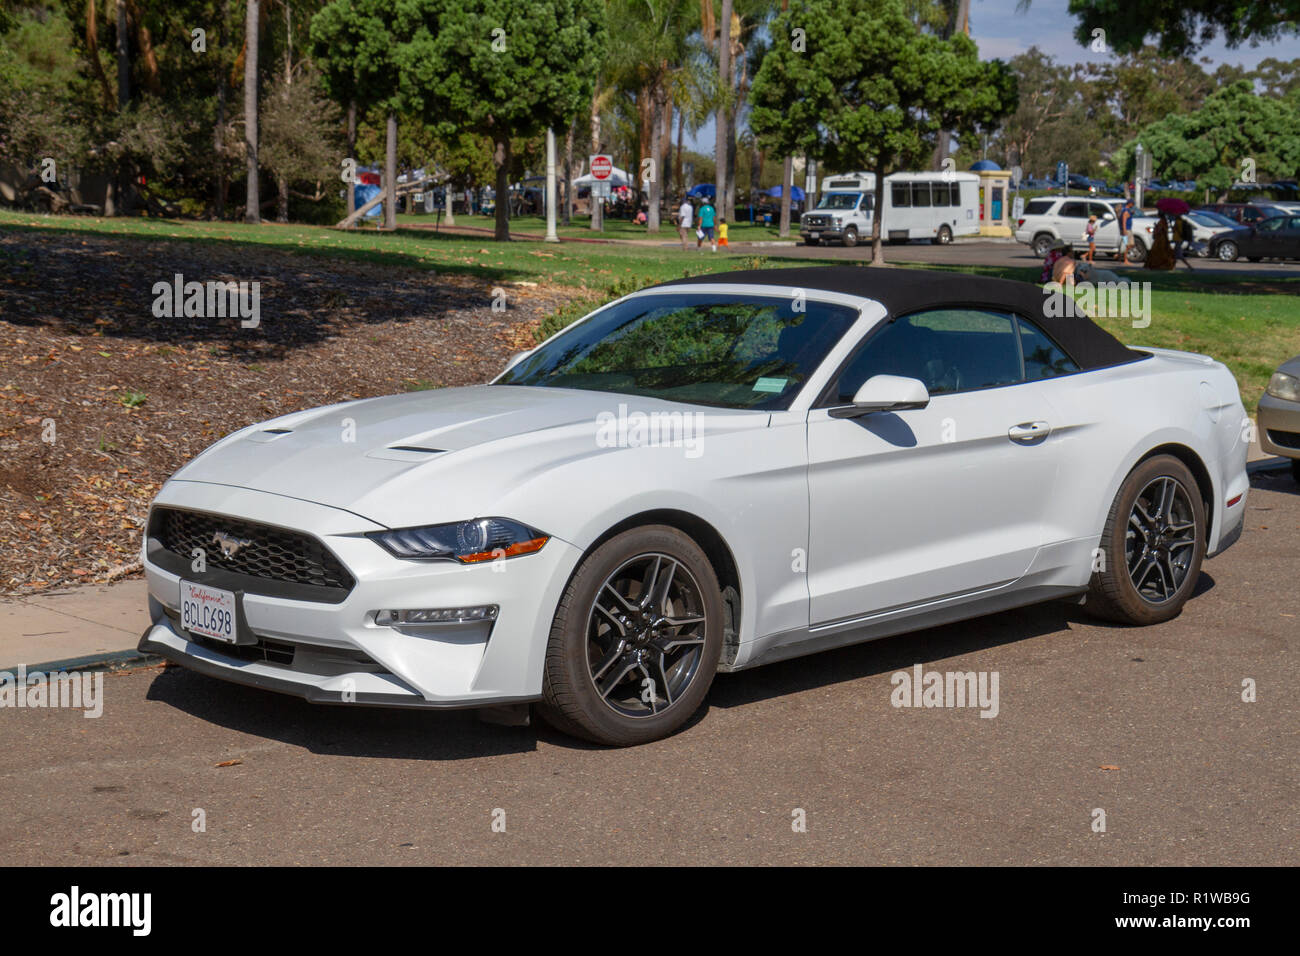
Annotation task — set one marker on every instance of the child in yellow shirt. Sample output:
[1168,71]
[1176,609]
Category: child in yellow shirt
[722,232]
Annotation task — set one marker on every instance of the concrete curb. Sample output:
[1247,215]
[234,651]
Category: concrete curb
[108,661]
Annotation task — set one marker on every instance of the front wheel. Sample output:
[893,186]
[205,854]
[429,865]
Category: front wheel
[851,237]
[635,641]
[1227,251]
[1151,546]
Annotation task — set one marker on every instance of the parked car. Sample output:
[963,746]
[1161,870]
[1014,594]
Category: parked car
[1244,213]
[1049,218]
[1205,226]
[1279,415]
[709,474]
[1275,238]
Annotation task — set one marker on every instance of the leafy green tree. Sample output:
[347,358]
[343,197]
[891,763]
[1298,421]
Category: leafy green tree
[501,68]
[871,90]
[1235,133]
[1183,26]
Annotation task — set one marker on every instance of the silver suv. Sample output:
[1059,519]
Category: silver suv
[1050,218]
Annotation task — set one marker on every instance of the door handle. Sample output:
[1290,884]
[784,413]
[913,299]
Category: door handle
[1027,433]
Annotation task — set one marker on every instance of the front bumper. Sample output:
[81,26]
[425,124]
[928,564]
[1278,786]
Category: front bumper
[336,653]
[1279,426]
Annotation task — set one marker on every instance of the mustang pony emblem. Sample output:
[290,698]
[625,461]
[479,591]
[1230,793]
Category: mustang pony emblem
[229,544]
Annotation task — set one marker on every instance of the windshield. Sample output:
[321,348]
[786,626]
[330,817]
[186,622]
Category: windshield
[727,350]
[839,201]
[1212,219]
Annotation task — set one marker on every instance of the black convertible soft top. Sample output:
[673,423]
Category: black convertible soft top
[902,291]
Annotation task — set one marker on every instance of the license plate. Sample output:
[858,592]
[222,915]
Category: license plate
[814,235]
[208,611]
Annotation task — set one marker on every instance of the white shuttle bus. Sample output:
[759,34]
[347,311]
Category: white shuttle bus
[934,206]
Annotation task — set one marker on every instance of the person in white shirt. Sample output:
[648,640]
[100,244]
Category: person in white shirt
[685,218]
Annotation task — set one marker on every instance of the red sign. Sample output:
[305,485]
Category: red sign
[602,166]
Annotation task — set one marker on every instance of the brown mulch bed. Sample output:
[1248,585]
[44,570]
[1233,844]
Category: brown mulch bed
[79,345]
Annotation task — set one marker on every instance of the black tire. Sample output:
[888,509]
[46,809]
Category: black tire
[1042,244]
[571,700]
[1124,589]
[1137,252]
[1295,469]
[1226,251]
[944,237]
[812,242]
[851,237]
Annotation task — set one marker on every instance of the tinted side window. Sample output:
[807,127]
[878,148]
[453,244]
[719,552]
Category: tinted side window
[1038,207]
[920,194]
[1043,357]
[902,194]
[949,350]
[1077,210]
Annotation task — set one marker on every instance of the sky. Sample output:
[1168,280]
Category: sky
[1001,32]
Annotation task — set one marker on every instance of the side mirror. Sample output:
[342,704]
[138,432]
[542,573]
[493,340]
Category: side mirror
[884,393]
[1107,217]
[515,360]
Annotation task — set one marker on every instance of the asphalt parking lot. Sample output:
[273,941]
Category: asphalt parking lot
[1148,725]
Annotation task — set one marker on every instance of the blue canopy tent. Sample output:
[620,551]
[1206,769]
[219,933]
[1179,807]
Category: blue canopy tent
[796,193]
[703,191]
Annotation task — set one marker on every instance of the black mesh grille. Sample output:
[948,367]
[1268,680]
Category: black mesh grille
[272,554]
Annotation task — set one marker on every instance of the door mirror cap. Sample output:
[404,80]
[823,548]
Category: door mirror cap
[885,393]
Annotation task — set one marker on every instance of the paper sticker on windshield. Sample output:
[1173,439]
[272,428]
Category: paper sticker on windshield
[770,384]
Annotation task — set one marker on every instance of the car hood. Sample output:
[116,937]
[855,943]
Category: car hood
[371,456]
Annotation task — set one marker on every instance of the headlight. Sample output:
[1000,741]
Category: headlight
[1284,386]
[838,222]
[469,542]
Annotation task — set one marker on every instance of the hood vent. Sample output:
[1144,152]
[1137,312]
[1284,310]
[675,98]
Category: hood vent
[406,453]
[269,434]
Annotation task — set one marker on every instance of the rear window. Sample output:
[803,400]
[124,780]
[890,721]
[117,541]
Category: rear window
[1038,207]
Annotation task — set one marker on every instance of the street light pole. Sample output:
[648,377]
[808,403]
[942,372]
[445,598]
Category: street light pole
[1137,177]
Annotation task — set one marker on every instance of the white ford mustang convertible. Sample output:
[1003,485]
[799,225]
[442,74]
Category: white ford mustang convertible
[704,476]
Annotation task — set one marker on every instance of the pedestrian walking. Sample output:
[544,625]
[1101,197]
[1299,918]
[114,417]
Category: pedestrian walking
[685,219]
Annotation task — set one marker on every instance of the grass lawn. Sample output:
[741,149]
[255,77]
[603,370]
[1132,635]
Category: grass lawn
[1250,324]
[580,228]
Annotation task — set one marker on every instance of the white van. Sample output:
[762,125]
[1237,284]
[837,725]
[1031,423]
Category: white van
[934,206]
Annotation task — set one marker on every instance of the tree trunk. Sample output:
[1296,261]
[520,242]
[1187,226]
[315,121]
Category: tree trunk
[877,246]
[123,58]
[281,180]
[501,159]
[352,155]
[92,50]
[597,212]
[253,205]
[679,174]
[666,147]
[390,172]
[656,158]
[568,172]
[787,194]
[449,202]
[219,149]
[722,121]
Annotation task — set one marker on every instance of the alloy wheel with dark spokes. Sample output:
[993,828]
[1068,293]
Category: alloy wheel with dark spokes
[1160,542]
[645,635]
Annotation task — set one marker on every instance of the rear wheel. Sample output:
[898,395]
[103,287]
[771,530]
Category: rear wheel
[635,641]
[1137,252]
[1042,244]
[1151,546]
[943,237]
